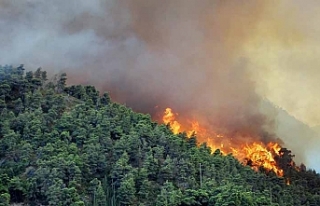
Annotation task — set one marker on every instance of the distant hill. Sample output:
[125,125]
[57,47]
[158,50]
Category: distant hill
[297,136]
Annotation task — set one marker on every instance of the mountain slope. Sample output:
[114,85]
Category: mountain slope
[71,146]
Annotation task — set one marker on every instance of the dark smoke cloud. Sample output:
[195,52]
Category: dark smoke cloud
[198,57]
[195,69]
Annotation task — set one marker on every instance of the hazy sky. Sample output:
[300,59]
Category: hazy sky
[284,52]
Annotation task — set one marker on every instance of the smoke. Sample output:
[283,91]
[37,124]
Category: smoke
[210,60]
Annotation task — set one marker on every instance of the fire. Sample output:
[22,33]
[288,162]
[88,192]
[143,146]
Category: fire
[254,154]
[169,118]
[258,155]
[287,181]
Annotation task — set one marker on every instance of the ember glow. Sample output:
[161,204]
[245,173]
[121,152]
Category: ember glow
[252,153]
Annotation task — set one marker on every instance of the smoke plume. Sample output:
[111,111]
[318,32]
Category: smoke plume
[213,60]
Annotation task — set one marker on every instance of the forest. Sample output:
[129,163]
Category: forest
[70,145]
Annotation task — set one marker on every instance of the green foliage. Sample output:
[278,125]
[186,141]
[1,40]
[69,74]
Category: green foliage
[127,190]
[4,199]
[100,197]
[64,145]
[169,195]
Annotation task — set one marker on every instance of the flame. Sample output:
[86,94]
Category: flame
[254,154]
[169,118]
[287,181]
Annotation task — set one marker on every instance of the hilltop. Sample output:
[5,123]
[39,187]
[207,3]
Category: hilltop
[70,145]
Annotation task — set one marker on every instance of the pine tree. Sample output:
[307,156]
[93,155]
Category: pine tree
[127,191]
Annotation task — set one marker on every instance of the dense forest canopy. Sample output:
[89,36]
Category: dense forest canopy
[70,145]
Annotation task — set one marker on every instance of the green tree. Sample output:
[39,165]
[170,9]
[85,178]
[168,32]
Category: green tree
[169,196]
[127,191]
[100,198]
[4,199]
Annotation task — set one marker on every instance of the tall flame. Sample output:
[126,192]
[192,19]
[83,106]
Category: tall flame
[254,154]
[169,118]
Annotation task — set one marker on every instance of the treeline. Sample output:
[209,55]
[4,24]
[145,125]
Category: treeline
[69,145]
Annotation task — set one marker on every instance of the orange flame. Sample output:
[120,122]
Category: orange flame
[287,181]
[254,154]
[169,118]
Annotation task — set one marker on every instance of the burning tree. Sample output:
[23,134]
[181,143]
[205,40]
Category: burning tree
[254,153]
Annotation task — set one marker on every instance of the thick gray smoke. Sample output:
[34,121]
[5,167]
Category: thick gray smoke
[150,53]
[193,56]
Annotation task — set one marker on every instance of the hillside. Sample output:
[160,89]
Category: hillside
[64,145]
[296,135]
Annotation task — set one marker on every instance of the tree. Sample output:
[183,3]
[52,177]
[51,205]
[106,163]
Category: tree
[121,169]
[168,196]
[55,193]
[4,199]
[166,170]
[61,83]
[100,199]
[127,191]
[105,99]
